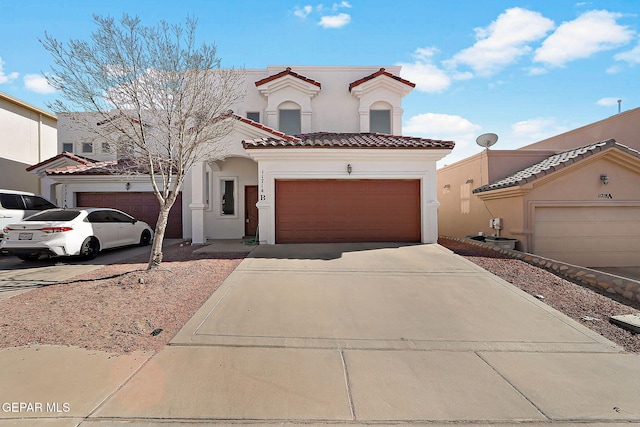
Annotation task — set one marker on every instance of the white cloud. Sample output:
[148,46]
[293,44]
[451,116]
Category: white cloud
[6,78]
[335,21]
[439,126]
[427,77]
[343,4]
[533,130]
[445,127]
[592,32]
[37,83]
[302,12]
[607,102]
[631,57]
[504,41]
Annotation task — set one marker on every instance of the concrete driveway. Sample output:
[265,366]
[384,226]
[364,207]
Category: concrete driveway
[377,334]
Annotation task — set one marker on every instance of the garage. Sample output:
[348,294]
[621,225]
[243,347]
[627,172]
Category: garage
[141,205]
[333,211]
[590,236]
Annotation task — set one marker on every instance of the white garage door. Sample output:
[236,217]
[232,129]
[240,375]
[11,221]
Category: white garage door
[589,236]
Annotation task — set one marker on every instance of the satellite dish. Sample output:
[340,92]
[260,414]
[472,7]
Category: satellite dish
[486,140]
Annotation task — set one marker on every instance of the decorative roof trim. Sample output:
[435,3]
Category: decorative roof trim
[380,72]
[64,154]
[287,72]
[260,126]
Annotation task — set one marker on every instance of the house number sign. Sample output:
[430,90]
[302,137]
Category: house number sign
[263,197]
[605,196]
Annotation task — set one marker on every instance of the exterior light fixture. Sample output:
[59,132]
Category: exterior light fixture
[469,181]
[604,178]
[349,168]
[127,186]
[447,186]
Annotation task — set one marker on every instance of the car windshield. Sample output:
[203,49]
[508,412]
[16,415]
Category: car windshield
[54,215]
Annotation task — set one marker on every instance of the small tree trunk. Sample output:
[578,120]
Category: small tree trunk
[155,258]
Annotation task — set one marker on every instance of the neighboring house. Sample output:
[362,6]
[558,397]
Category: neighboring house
[316,155]
[27,136]
[574,197]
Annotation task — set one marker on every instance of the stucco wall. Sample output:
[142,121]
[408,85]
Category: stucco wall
[245,172]
[13,176]
[332,164]
[333,108]
[622,127]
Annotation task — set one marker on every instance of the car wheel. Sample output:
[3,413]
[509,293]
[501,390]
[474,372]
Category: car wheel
[90,248]
[145,238]
[29,257]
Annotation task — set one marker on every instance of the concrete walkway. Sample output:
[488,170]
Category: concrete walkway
[348,334]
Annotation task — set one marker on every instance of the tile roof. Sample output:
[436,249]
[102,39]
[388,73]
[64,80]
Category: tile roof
[263,127]
[348,140]
[287,72]
[553,163]
[380,72]
[64,154]
[109,167]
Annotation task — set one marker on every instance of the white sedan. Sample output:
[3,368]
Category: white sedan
[74,232]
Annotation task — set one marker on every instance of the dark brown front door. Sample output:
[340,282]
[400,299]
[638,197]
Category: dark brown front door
[250,210]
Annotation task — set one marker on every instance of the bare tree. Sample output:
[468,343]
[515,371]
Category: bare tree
[153,94]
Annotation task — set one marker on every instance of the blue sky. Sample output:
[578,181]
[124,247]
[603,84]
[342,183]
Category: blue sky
[525,70]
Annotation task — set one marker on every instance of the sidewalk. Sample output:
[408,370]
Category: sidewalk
[347,334]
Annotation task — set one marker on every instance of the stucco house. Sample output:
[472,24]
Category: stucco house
[27,136]
[316,155]
[574,197]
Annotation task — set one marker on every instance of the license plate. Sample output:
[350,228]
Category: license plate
[25,236]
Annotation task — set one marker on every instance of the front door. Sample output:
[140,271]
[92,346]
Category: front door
[250,210]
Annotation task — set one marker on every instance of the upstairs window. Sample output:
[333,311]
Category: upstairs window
[68,147]
[87,147]
[380,121]
[253,115]
[289,119]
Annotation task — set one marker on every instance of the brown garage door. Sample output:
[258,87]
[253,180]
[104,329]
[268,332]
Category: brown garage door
[309,211]
[143,206]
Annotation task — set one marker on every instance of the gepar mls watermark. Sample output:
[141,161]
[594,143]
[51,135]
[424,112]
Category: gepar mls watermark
[36,407]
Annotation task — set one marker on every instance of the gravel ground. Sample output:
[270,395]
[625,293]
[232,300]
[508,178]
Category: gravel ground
[585,305]
[116,308]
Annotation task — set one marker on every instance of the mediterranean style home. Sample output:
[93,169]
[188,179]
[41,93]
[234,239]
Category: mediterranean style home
[316,155]
[574,197]
[27,136]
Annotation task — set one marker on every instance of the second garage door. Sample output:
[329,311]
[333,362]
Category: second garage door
[316,211]
[142,206]
[594,236]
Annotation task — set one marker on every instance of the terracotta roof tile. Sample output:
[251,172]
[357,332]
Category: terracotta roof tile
[553,163]
[263,127]
[287,72]
[71,156]
[110,167]
[380,72]
[348,140]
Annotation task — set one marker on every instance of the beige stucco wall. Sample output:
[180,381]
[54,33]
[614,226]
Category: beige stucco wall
[463,213]
[622,127]
[13,176]
[28,135]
